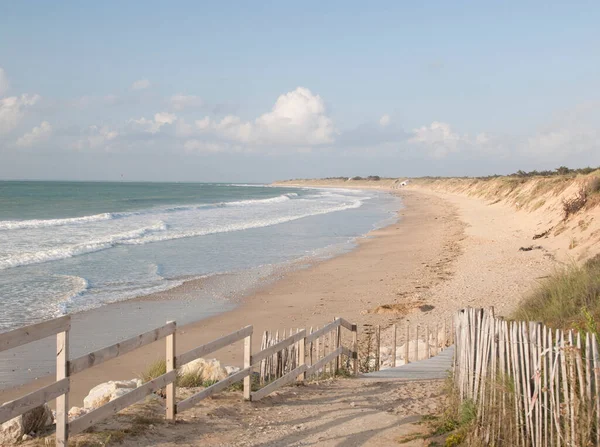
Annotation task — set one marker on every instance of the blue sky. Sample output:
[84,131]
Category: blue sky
[254,91]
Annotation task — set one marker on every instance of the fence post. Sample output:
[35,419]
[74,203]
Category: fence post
[338,343]
[394,346]
[406,344]
[444,336]
[170,342]
[62,402]
[302,357]
[355,348]
[427,346]
[378,347]
[417,342]
[248,364]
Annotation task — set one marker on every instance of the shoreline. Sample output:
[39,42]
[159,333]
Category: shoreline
[283,303]
[434,255]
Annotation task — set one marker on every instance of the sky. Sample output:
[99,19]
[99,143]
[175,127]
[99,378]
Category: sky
[266,90]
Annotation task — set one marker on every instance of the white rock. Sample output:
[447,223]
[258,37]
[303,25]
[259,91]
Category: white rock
[207,370]
[12,431]
[232,370]
[106,392]
[76,412]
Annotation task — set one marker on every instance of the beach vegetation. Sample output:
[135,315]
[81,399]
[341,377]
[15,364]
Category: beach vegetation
[190,380]
[568,299]
[575,204]
[156,369]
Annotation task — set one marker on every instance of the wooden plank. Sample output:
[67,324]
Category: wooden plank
[406,344]
[213,389]
[347,352]
[354,349]
[323,361]
[377,348]
[338,343]
[282,381]
[28,402]
[318,333]
[248,366]
[278,347]
[302,357]
[213,346]
[346,324]
[394,345]
[113,407]
[62,401]
[28,334]
[110,352]
[170,408]
[596,364]
[588,380]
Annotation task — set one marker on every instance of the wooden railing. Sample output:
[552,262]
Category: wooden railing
[66,368]
[303,370]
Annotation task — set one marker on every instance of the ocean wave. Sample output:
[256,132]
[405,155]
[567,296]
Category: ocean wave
[70,251]
[157,233]
[260,223]
[37,223]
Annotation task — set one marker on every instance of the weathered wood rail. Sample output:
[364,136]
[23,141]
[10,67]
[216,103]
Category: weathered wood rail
[66,368]
[531,385]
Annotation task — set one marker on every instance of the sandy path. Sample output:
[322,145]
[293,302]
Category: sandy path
[342,413]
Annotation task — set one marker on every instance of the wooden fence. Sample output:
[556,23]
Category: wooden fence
[65,368]
[531,385]
[420,342]
[320,343]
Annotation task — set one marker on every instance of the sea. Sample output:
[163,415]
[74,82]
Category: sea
[67,247]
[111,254]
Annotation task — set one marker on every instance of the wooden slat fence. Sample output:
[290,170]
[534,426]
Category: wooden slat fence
[287,359]
[376,353]
[531,385]
[281,362]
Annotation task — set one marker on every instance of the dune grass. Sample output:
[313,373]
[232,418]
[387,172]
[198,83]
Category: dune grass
[569,299]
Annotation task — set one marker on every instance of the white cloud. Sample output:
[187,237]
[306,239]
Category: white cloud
[153,125]
[384,120]
[199,146]
[96,137]
[140,84]
[571,132]
[297,119]
[181,102]
[4,84]
[86,101]
[12,110]
[37,135]
[439,138]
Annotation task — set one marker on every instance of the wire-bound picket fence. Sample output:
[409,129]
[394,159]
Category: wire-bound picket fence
[320,344]
[531,385]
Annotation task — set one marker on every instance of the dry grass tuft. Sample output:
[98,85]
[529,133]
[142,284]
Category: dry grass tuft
[573,205]
[567,299]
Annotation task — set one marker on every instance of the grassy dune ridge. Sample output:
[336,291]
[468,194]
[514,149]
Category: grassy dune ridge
[565,210]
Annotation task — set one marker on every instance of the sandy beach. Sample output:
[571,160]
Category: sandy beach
[446,251]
